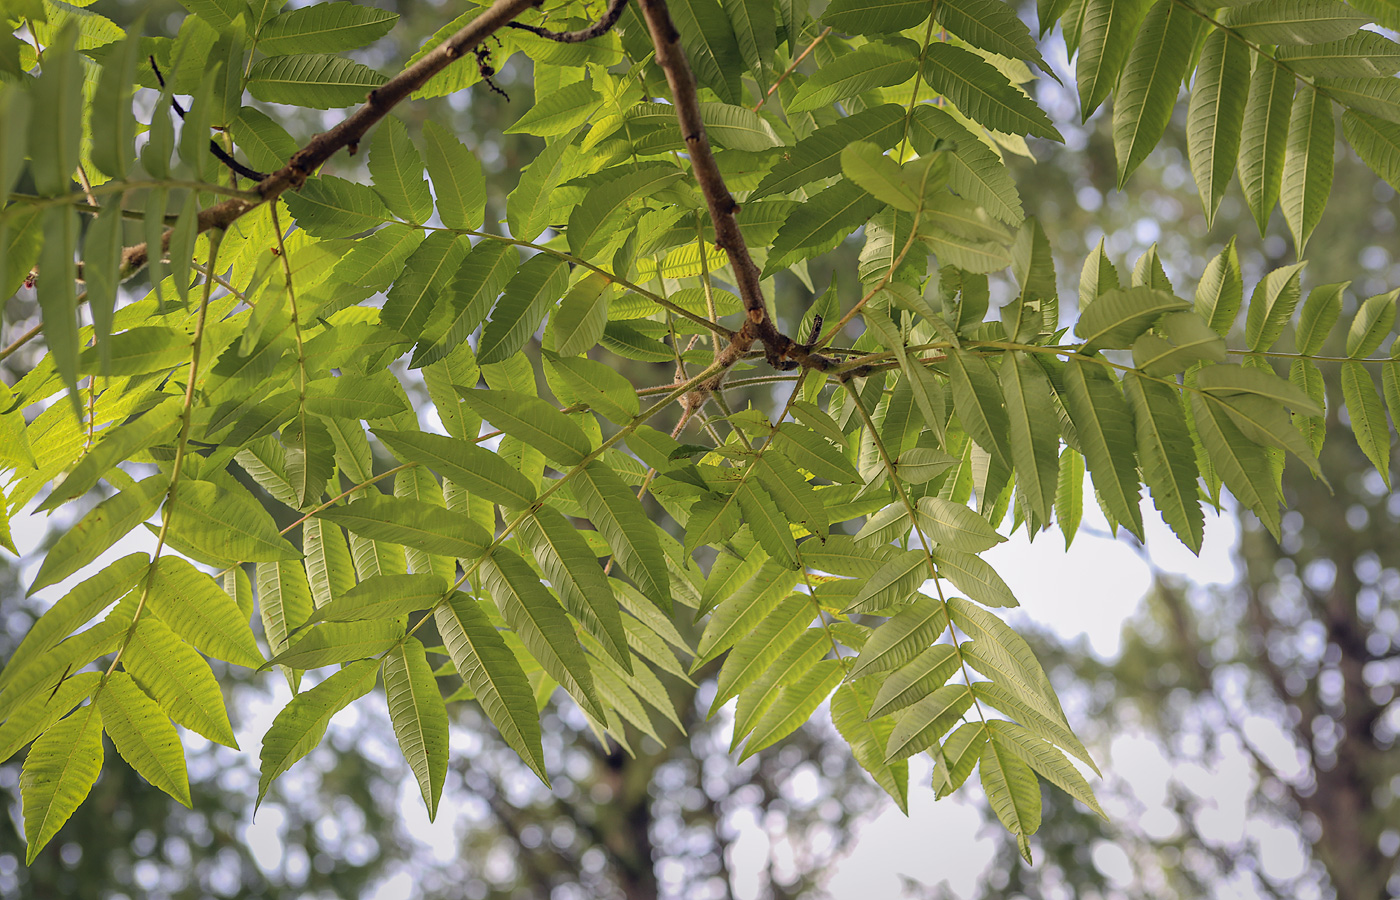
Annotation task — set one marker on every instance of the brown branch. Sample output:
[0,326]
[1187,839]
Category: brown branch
[350,131]
[597,29]
[782,352]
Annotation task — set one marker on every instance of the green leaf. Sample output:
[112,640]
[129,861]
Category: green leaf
[957,758]
[331,207]
[1105,39]
[582,316]
[110,120]
[267,144]
[1293,21]
[528,296]
[755,30]
[178,679]
[284,601]
[107,523]
[1377,142]
[560,112]
[890,585]
[797,659]
[118,444]
[1012,791]
[1240,463]
[618,515]
[144,736]
[975,171]
[528,208]
[874,16]
[467,465]
[532,421]
[1151,79]
[542,625]
[32,718]
[299,727]
[73,610]
[397,169]
[1168,462]
[915,680]
[978,401]
[710,45]
[818,155]
[332,643]
[602,207]
[1105,427]
[311,79]
[873,65]
[740,613]
[762,646]
[919,727]
[1221,290]
[1307,164]
[227,524]
[1119,316]
[953,525]
[457,179]
[1271,306]
[820,224]
[490,669]
[479,279]
[1372,324]
[1215,116]
[1035,433]
[427,276]
[1320,312]
[324,28]
[58,299]
[382,597]
[59,771]
[56,118]
[1045,759]
[1365,54]
[413,523]
[572,570]
[1265,137]
[981,92]
[419,717]
[1069,496]
[1368,423]
[905,636]
[990,25]
[1097,276]
[974,576]
[766,521]
[868,739]
[194,606]
[793,706]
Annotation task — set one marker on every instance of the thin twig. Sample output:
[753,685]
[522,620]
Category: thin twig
[351,130]
[597,29]
[219,153]
[789,70]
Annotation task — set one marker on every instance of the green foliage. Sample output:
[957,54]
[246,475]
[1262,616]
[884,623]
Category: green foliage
[821,546]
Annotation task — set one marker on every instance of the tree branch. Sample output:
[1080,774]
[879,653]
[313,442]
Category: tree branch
[781,351]
[597,29]
[350,131]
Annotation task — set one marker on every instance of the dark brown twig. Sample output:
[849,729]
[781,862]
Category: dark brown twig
[219,153]
[782,352]
[597,29]
[349,132]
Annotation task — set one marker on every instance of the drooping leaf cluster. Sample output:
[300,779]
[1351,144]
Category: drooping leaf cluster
[530,538]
